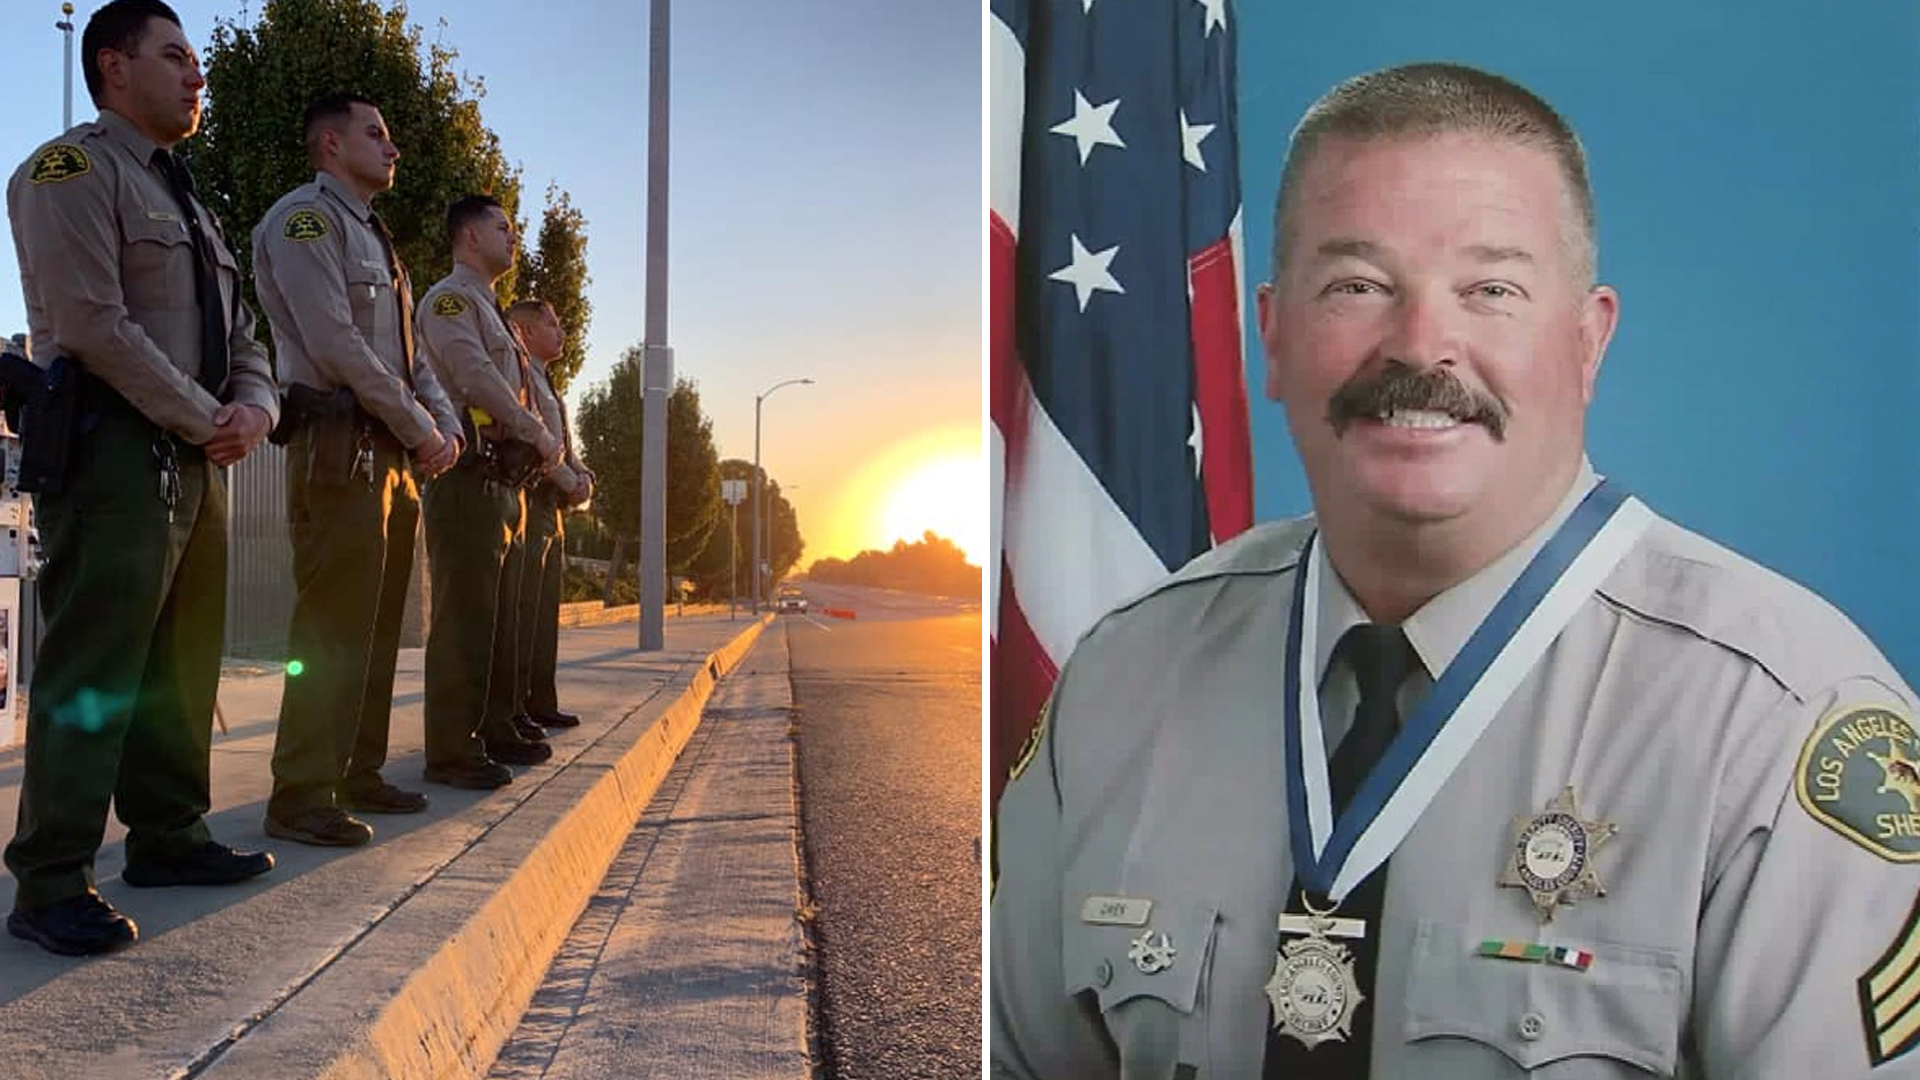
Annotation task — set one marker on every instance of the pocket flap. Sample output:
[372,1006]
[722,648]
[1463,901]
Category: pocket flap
[359,272]
[155,227]
[1165,958]
[1626,1006]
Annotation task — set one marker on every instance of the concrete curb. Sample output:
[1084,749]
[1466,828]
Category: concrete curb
[434,990]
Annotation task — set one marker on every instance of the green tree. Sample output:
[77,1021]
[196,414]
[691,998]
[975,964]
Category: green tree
[710,570]
[554,269]
[261,78]
[931,564]
[611,430]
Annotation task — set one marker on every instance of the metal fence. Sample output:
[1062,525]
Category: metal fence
[259,556]
[260,562]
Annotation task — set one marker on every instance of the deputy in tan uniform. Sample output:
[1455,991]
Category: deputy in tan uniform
[1485,770]
[133,299]
[569,485]
[364,417]
[474,517]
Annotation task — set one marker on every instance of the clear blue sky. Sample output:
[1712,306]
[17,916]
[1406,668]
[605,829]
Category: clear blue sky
[826,196]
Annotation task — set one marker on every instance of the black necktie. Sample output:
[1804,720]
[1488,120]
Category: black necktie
[206,282]
[1381,658]
[402,295]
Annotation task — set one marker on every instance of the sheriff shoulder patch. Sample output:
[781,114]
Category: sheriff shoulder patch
[61,161]
[1890,995]
[1859,774]
[450,305]
[305,226]
[1032,746]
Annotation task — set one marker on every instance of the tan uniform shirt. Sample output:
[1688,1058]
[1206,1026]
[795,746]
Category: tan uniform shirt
[569,474]
[476,357]
[339,309]
[107,271]
[1753,926]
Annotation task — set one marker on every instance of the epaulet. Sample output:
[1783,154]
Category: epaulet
[1684,580]
[1272,547]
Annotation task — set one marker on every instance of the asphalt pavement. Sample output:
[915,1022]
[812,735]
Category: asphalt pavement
[889,750]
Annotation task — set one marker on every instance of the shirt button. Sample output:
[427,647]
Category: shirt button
[1103,974]
[1532,1026]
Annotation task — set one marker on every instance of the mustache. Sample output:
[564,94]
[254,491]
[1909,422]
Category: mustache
[1396,386]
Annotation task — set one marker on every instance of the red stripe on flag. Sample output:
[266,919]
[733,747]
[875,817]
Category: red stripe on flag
[1023,676]
[1007,382]
[1220,392]
[1022,673]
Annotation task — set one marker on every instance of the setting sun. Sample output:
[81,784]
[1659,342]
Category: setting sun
[934,480]
[945,496]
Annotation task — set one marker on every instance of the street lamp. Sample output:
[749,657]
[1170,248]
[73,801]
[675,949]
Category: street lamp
[65,26]
[759,486]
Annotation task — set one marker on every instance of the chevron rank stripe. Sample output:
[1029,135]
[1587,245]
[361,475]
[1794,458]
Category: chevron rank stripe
[1890,995]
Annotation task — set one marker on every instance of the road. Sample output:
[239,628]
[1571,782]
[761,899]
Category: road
[889,722]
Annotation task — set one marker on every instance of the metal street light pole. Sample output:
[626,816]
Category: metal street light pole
[65,26]
[759,487]
[656,372]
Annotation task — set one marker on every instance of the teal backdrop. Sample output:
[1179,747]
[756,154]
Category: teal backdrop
[1757,173]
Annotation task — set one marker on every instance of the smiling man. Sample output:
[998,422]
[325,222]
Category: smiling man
[1484,768]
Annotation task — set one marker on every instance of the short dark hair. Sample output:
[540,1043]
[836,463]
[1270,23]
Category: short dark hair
[530,306]
[328,112]
[120,26]
[469,211]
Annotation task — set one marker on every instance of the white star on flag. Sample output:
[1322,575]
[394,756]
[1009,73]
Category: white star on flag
[1216,13]
[1087,273]
[1194,440]
[1091,126]
[1190,136]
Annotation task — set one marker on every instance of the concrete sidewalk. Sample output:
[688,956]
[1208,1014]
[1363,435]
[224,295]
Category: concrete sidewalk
[690,961]
[413,957]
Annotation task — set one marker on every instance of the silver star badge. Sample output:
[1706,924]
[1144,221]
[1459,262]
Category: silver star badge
[1552,855]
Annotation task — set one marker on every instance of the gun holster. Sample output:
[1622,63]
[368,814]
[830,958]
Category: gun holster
[337,428]
[510,461]
[43,406]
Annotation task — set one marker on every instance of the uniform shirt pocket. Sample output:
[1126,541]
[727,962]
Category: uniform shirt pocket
[1619,1018]
[1147,980]
[156,263]
[370,294]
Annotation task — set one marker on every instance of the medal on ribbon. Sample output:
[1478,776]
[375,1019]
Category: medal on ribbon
[1314,990]
[1331,858]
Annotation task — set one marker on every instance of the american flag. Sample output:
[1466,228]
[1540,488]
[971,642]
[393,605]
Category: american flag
[1118,395]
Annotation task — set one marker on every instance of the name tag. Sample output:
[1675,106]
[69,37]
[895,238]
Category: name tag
[162,215]
[1115,911]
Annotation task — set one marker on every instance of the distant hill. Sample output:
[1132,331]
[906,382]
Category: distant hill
[931,564]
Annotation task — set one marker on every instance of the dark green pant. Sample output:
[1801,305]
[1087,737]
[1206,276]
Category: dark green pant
[121,708]
[470,529]
[352,556]
[540,600]
[507,683]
